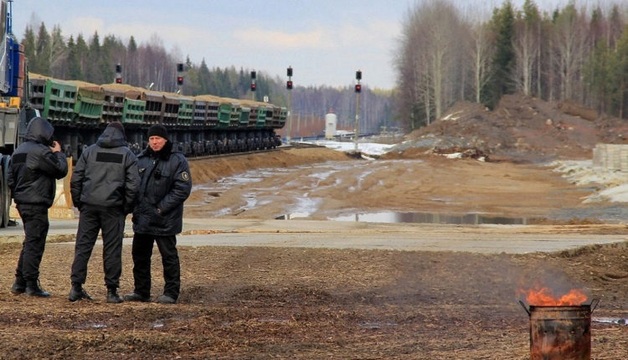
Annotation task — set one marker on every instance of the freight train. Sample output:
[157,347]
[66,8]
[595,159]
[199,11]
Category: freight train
[197,125]
[79,111]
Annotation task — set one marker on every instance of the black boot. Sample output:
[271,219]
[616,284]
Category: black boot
[112,296]
[78,293]
[19,286]
[136,297]
[33,289]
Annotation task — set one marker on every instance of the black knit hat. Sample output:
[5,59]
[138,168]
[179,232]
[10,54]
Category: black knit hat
[158,130]
[117,125]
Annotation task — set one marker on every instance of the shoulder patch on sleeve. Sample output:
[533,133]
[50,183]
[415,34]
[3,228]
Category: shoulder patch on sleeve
[185,176]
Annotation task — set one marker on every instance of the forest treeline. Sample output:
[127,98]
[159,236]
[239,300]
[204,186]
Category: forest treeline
[149,65]
[576,52]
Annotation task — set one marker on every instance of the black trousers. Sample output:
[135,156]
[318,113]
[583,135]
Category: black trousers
[92,220]
[35,218]
[142,251]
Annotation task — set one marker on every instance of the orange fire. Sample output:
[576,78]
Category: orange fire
[545,297]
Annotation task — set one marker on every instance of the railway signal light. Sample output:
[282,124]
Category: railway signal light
[180,70]
[358,88]
[253,77]
[289,82]
[118,74]
[358,75]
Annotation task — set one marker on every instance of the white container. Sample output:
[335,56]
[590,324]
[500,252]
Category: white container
[331,121]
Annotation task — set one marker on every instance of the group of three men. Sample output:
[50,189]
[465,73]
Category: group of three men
[108,182]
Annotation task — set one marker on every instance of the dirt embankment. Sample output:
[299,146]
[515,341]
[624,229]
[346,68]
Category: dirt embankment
[520,129]
[208,170]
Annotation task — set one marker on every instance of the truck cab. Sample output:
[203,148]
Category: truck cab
[12,100]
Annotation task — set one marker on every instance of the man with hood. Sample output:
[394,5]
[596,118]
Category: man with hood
[104,187]
[35,166]
[158,216]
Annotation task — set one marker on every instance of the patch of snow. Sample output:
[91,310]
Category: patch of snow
[368,149]
[612,185]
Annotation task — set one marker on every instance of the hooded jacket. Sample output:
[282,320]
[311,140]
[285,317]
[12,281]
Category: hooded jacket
[34,168]
[106,173]
[165,185]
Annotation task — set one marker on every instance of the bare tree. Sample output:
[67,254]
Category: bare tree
[481,55]
[431,52]
[526,47]
[444,38]
[155,65]
[410,71]
[570,46]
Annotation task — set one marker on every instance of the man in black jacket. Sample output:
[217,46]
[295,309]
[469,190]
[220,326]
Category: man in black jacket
[104,188]
[158,217]
[35,166]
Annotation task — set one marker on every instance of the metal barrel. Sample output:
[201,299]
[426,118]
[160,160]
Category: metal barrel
[560,332]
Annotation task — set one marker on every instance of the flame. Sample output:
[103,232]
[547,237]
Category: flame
[545,297]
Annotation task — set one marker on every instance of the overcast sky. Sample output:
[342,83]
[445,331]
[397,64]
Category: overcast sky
[325,41]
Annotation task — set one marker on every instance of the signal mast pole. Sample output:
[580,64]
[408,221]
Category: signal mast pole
[358,90]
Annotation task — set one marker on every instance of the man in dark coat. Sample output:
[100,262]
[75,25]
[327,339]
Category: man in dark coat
[104,188]
[35,166]
[158,217]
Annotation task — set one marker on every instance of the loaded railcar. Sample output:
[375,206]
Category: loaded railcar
[198,125]
[88,108]
[123,103]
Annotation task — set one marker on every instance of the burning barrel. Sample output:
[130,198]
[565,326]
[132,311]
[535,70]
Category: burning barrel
[560,331]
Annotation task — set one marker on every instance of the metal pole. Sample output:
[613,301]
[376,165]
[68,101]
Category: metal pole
[358,90]
[289,132]
[357,120]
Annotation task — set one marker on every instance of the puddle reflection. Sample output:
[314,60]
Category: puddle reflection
[431,218]
[418,218]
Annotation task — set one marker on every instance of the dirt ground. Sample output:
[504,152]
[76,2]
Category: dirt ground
[287,303]
[339,185]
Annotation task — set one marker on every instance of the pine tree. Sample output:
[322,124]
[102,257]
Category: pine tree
[73,62]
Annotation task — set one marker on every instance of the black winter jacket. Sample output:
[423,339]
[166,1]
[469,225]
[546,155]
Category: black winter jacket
[165,185]
[34,168]
[106,173]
